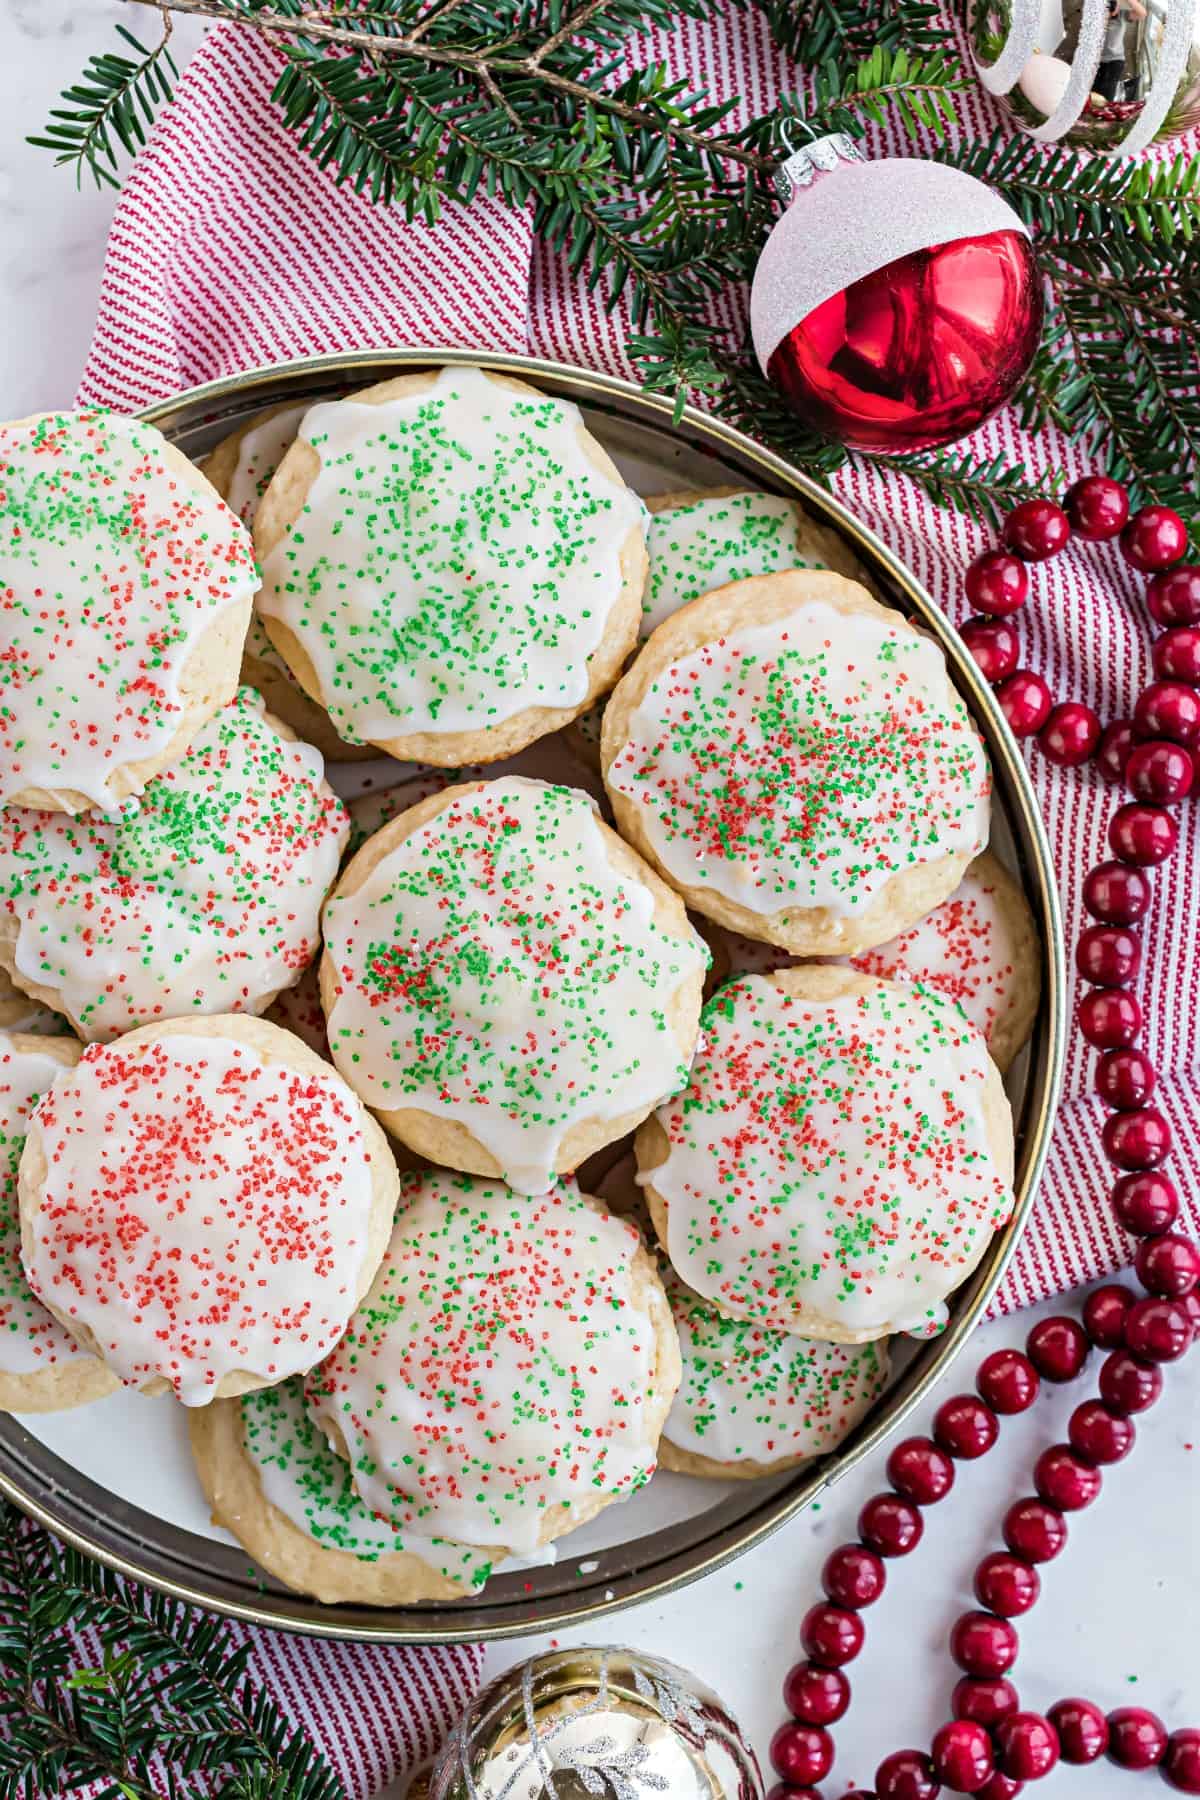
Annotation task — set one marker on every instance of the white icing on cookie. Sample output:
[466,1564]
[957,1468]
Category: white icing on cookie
[202,1212]
[472,570]
[830,1158]
[713,540]
[497,1378]
[260,453]
[497,969]
[805,762]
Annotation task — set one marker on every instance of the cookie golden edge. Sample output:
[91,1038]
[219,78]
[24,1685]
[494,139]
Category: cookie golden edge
[272,1044]
[282,505]
[819,982]
[803,931]
[1014,1024]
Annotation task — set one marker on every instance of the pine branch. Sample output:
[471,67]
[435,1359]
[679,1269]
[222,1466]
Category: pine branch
[821,31]
[114,99]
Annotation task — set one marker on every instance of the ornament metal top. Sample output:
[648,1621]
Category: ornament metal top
[1107,75]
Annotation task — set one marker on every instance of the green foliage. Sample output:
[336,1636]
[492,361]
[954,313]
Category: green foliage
[109,107]
[168,1710]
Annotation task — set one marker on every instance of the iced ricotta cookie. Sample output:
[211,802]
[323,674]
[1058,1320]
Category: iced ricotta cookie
[203,897]
[19,1013]
[793,758]
[240,468]
[42,1367]
[203,1205]
[753,1401]
[127,583]
[452,566]
[509,1372]
[840,1160]
[506,983]
[272,1480]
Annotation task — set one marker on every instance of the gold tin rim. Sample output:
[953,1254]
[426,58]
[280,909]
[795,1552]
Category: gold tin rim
[148,1549]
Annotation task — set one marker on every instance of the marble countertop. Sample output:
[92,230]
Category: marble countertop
[1116,1621]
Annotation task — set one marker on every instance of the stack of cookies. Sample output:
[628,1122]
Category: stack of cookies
[459,1158]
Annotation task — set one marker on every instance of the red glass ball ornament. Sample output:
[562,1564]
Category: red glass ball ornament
[1116,894]
[1108,955]
[1176,655]
[1082,1730]
[1057,1348]
[1097,507]
[1109,1018]
[1174,597]
[815,1695]
[890,1525]
[920,1471]
[1070,734]
[1027,1746]
[962,1756]
[1125,1078]
[997,584]
[1168,709]
[1112,752]
[965,1427]
[1158,1331]
[1154,538]
[1006,1585]
[1025,700]
[1142,835]
[983,1699]
[1127,1384]
[801,1754]
[1145,1204]
[1037,530]
[906,1775]
[1137,1738]
[995,646]
[1104,1314]
[1137,1140]
[831,1635]
[1160,773]
[1169,1265]
[983,1645]
[1064,1480]
[1180,1765]
[853,1576]
[1008,1381]
[1033,1530]
[1099,1435]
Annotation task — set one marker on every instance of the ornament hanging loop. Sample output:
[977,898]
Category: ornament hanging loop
[809,161]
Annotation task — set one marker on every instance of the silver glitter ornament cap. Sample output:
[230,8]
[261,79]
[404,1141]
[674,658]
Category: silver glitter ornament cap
[804,165]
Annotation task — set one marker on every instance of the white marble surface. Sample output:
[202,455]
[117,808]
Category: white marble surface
[1118,1616]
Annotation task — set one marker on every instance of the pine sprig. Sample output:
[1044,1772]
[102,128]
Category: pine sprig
[168,1711]
[111,106]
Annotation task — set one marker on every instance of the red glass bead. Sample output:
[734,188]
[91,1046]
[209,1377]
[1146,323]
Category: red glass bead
[1160,773]
[1097,507]
[1098,1435]
[1104,1315]
[1181,1763]
[1064,1480]
[1057,1347]
[853,1576]
[1109,1018]
[1116,893]
[890,1525]
[983,1645]
[1112,752]
[783,1790]
[965,1427]
[1168,709]
[920,1471]
[1142,835]
[1174,597]
[1125,1078]
[1158,1331]
[1127,1385]
[962,1756]
[1168,1265]
[1025,700]
[906,1775]
[1137,1738]
[1006,1584]
[997,584]
[1108,955]
[1033,1530]
[1154,538]
[1137,1140]
[831,1635]
[1001,1787]
[995,646]
[1070,734]
[801,1754]
[1145,1204]
[1176,655]
[1027,1746]
[1008,1381]
[1037,530]
[984,1699]
[814,1695]
[1082,1730]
